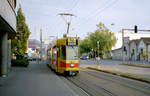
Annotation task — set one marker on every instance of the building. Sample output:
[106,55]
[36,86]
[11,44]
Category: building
[117,54]
[33,43]
[8,31]
[131,35]
[134,50]
[143,48]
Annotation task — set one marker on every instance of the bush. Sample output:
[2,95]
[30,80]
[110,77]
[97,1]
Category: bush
[20,62]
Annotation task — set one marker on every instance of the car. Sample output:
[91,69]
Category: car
[84,57]
[30,58]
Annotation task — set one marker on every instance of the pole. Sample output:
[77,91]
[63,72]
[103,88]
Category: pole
[41,44]
[68,27]
[122,46]
[98,58]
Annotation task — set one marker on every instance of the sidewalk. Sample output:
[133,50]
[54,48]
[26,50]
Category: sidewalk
[144,72]
[114,66]
[36,80]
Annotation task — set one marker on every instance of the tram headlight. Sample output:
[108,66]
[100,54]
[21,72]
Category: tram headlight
[71,65]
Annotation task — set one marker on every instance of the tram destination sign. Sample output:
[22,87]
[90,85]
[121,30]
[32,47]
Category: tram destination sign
[72,41]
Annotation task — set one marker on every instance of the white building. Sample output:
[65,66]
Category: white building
[134,50]
[143,49]
[131,36]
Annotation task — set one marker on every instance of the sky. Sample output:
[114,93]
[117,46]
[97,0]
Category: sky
[43,14]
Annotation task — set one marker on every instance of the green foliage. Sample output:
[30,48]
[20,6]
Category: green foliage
[106,40]
[20,62]
[20,41]
[84,43]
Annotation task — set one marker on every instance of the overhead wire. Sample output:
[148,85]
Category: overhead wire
[106,7]
[74,6]
[94,12]
[98,10]
[55,25]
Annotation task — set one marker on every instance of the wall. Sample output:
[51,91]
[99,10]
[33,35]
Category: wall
[148,53]
[133,47]
[7,13]
[117,54]
[141,45]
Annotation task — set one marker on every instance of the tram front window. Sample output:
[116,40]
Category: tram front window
[72,52]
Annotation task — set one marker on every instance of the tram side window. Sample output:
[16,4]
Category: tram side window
[63,52]
[58,53]
[54,54]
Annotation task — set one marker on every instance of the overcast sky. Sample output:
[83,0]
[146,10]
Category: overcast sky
[122,13]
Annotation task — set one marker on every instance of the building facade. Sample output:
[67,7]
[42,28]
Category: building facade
[8,31]
[117,54]
[135,50]
[33,43]
[131,35]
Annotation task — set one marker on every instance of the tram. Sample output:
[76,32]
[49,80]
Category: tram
[63,56]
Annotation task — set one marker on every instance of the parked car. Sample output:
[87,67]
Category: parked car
[84,57]
[30,58]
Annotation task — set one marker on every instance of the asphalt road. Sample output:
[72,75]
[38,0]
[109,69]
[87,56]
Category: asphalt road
[103,84]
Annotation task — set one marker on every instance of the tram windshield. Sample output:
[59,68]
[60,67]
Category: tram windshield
[72,52]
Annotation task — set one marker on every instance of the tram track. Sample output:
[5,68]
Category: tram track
[126,84]
[74,87]
[94,90]
[103,84]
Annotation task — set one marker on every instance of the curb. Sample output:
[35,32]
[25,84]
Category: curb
[126,75]
[137,65]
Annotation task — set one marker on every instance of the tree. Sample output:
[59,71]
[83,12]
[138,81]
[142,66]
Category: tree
[85,45]
[106,39]
[20,40]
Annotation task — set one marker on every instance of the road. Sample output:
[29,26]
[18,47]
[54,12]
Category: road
[39,80]
[103,84]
